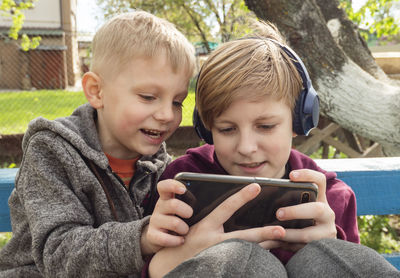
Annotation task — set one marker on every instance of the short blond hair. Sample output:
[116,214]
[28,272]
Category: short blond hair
[247,68]
[139,34]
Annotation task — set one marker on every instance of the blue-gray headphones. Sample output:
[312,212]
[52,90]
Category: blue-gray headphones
[306,111]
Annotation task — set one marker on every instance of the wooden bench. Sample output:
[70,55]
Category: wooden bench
[375,181]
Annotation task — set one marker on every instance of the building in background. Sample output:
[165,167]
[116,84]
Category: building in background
[54,64]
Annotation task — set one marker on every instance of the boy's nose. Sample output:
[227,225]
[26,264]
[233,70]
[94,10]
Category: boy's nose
[165,113]
[247,143]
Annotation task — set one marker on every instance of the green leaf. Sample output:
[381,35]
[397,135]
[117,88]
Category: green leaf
[376,15]
[9,8]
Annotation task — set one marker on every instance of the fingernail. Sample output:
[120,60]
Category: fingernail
[181,190]
[253,187]
[280,213]
[295,174]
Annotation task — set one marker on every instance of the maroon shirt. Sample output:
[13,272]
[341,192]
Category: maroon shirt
[340,196]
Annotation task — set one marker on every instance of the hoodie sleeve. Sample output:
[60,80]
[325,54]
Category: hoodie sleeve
[341,197]
[342,200]
[58,211]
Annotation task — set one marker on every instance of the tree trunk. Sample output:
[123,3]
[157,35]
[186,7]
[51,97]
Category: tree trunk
[351,96]
[346,35]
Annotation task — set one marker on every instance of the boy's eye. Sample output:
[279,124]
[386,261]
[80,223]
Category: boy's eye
[266,127]
[178,104]
[226,130]
[147,97]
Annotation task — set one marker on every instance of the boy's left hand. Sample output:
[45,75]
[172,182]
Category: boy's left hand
[166,228]
[320,211]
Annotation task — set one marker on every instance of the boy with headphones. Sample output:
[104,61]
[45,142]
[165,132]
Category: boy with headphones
[253,96]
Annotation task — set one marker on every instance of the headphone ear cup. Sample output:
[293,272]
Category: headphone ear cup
[297,115]
[306,112]
[201,130]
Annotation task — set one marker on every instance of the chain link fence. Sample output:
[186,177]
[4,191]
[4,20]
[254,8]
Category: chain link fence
[46,81]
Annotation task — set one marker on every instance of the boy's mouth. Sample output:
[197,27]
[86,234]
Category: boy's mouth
[152,133]
[251,165]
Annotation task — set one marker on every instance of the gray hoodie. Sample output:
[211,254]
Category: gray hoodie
[62,222]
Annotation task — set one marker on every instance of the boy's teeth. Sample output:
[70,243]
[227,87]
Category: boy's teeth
[152,133]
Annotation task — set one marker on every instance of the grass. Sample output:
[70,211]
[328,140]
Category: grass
[187,111]
[4,238]
[19,108]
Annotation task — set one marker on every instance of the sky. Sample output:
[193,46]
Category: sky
[90,16]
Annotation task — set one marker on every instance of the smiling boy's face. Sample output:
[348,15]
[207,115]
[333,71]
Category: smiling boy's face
[254,138]
[141,107]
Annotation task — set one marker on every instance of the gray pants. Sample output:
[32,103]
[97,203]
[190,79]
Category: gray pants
[322,258]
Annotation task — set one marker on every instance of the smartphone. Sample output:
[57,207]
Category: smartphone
[206,191]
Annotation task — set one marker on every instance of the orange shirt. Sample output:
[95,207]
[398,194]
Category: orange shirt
[124,168]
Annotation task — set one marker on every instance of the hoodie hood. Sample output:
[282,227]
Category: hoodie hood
[80,131]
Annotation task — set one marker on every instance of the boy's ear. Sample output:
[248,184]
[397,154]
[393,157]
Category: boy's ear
[91,85]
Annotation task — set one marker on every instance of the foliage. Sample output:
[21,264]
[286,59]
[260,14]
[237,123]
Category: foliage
[377,233]
[9,8]
[203,21]
[8,165]
[332,153]
[376,15]
[4,238]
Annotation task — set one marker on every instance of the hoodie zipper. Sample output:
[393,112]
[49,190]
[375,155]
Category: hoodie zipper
[132,196]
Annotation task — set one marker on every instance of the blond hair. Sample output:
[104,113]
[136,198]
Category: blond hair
[139,34]
[247,68]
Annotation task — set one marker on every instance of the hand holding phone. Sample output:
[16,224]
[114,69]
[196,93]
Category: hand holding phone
[206,191]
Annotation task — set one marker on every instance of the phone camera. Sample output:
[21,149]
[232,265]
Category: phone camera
[305,197]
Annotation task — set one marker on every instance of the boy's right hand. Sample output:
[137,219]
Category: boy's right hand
[166,229]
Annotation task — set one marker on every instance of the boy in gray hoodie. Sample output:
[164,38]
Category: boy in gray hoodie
[79,206]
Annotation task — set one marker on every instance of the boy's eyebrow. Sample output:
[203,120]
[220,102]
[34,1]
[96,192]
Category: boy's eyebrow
[156,87]
[261,118]
[269,117]
[146,86]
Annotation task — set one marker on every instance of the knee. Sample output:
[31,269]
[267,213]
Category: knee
[339,258]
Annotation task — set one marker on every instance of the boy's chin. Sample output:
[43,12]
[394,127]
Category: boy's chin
[149,151]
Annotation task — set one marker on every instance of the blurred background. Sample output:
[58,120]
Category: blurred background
[41,64]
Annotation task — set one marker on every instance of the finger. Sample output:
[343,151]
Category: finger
[309,234]
[307,175]
[271,244]
[173,207]
[164,239]
[319,211]
[168,223]
[168,188]
[259,234]
[228,207]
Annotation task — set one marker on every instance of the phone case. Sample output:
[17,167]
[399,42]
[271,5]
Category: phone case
[206,191]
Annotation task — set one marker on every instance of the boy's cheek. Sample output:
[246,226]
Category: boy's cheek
[177,121]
